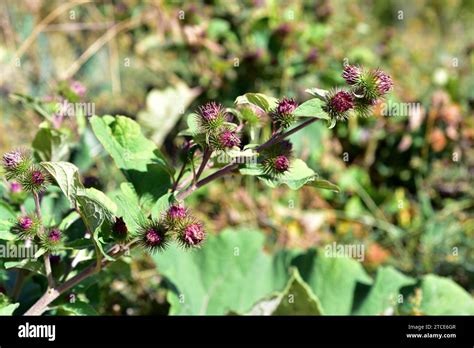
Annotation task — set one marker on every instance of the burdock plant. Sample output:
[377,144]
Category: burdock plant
[149,210]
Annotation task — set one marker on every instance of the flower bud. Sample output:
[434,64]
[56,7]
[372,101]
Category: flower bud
[211,117]
[282,164]
[277,158]
[352,74]
[15,187]
[228,139]
[153,236]
[35,180]
[51,240]
[283,113]
[16,163]
[192,235]
[78,88]
[338,103]
[25,223]
[119,229]
[26,227]
[383,81]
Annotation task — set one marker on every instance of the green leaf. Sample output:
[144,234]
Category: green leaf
[383,295]
[324,184]
[317,92]
[229,273]
[162,204]
[164,109]
[263,101]
[311,108]
[5,227]
[50,145]
[138,158]
[82,243]
[66,176]
[332,279]
[30,265]
[77,308]
[96,209]
[442,296]
[128,206]
[296,299]
[5,307]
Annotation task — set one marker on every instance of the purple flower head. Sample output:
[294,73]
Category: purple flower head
[119,227]
[210,111]
[25,222]
[229,139]
[282,164]
[12,159]
[342,101]
[54,235]
[383,81]
[37,177]
[78,88]
[15,187]
[351,74]
[193,234]
[286,106]
[176,212]
[152,237]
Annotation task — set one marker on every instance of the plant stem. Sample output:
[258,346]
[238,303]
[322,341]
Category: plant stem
[51,294]
[279,137]
[205,158]
[180,174]
[54,292]
[232,166]
[47,263]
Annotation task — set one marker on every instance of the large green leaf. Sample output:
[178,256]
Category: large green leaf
[263,101]
[128,206]
[332,279]
[383,296]
[164,109]
[442,296]
[138,158]
[50,145]
[311,108]
[297,176]
[67,177]
[96,209]
[296,299]
[230,273]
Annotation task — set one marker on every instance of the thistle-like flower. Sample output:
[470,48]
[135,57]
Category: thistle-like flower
[35,179]
[281,164]
[277,158]
[283,114]
[78,88]
[15,187]
[51,240]
[153,236]
[211,117]
[383,82]
[228,139]
[176,212]
[352,74]
[26,227]
[338,103]
[16,163]
[119,229]
[191,235]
